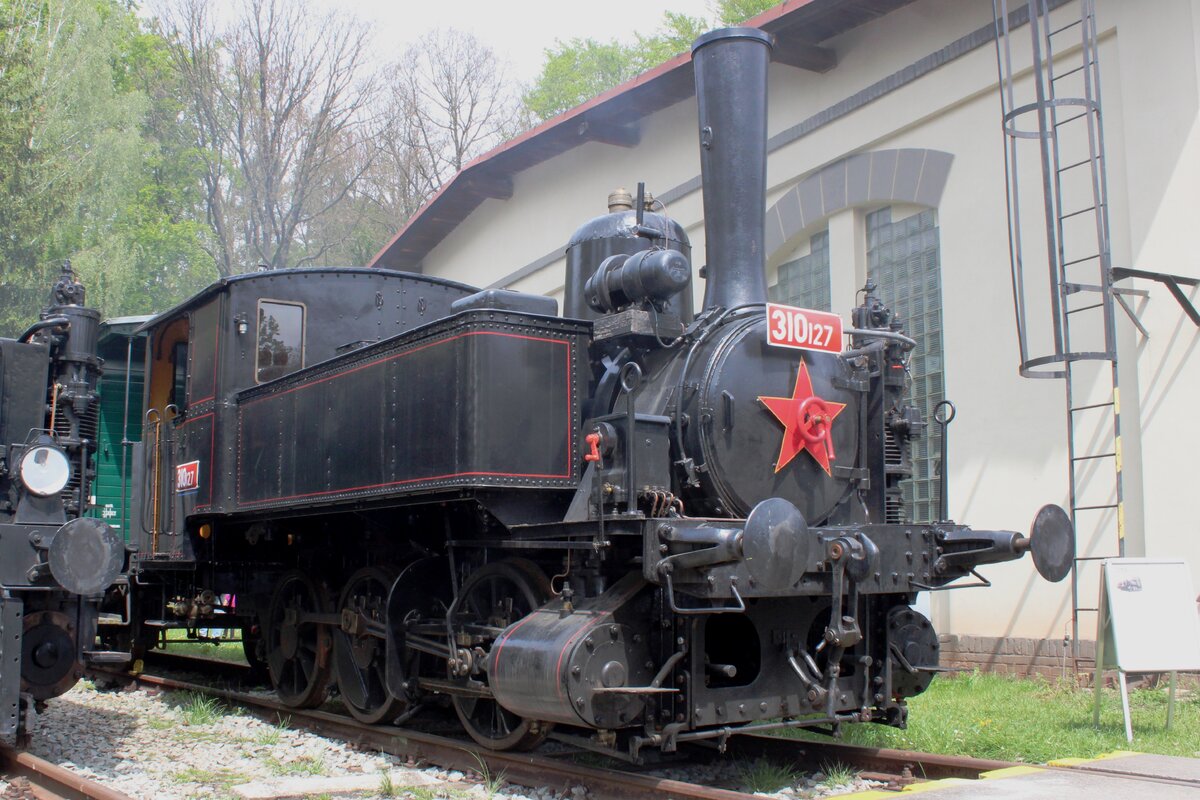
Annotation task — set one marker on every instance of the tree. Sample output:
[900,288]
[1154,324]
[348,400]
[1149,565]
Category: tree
[82,171]
[580,69]
[446,101]
[23,222]
[277,101]
[577,70]
[450,102]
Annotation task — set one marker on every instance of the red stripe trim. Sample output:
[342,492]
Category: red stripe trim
[401,483]
[396,356]
[513,629]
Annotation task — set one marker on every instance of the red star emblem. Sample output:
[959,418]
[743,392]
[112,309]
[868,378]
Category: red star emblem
[807,422]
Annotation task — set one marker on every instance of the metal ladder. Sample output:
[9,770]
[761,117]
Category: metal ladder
[1063,121]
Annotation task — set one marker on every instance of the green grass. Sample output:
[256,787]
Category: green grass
[220,779]
[431,793]
[993,716]
[160,723]
[304,765]
[763,776]
[200,710]
[225,650]
[837,774]
[492,782]
[269,737]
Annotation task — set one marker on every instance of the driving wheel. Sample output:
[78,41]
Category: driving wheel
[298,647]
[492,598]
[360,647]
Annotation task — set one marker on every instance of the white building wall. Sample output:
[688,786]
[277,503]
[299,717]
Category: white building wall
[1008,444]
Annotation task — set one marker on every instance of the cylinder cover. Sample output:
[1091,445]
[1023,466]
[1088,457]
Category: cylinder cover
[571,666]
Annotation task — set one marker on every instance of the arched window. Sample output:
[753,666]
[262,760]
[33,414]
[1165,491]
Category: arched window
[804,281]
[904,259]
[875,216]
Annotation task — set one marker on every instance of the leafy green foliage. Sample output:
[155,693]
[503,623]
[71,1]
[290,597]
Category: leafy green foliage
[576,70]
[579,69]
[731,12]
[92,163]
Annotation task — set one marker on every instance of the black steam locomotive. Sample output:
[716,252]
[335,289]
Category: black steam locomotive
[55,563]
[637,524]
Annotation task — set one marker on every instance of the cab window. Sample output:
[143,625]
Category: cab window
[179,373]
[280,339]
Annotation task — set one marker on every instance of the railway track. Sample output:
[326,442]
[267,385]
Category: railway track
[29,776]
[894,768]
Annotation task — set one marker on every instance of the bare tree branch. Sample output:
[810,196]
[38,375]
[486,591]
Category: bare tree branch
[276,98]
[448,102]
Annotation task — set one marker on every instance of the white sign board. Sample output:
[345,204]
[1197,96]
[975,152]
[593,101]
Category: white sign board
[1148,620]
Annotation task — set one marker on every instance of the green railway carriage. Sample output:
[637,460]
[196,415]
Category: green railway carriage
[124,354]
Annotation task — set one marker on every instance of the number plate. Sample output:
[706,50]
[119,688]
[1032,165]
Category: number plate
[803,329]
[187,477]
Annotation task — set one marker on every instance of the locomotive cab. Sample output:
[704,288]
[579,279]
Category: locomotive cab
[241,333]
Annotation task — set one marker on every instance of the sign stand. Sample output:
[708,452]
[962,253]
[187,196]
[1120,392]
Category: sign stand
[1132,591]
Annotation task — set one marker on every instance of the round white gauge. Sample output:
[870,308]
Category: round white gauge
[45,470]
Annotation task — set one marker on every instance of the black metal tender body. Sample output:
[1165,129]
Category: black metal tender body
[636,526]
[55,563]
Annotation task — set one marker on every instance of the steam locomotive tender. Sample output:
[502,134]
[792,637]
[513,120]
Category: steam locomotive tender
[637,524]
[55,563]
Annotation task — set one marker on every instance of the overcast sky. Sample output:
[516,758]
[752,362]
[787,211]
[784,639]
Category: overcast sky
[519,32]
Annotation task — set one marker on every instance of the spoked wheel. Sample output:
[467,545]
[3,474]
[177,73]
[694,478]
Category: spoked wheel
[417,605]
[496,596]
[297,646]
[359,647]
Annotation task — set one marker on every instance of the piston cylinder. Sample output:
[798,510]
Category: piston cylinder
[578,667]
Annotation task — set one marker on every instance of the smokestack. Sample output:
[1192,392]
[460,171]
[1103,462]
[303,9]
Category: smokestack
[731,92]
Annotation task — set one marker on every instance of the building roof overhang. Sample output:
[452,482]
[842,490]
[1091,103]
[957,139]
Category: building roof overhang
[800,28]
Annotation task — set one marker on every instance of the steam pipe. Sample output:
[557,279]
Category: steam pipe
[49,322]
[731,94]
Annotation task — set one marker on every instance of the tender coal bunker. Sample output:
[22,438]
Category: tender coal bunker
[732,654]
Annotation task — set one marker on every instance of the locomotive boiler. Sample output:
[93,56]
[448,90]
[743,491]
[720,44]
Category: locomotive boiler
[55,562]
[630,526]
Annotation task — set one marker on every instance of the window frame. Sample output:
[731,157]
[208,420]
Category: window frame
[258,309]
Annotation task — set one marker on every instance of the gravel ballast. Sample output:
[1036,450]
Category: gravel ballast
[156,745]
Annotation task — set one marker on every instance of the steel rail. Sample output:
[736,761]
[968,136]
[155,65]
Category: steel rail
[47,781]
[913,766]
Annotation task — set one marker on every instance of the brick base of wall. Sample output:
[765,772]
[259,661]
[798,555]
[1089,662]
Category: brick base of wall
[1011,656]
[1050,658]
